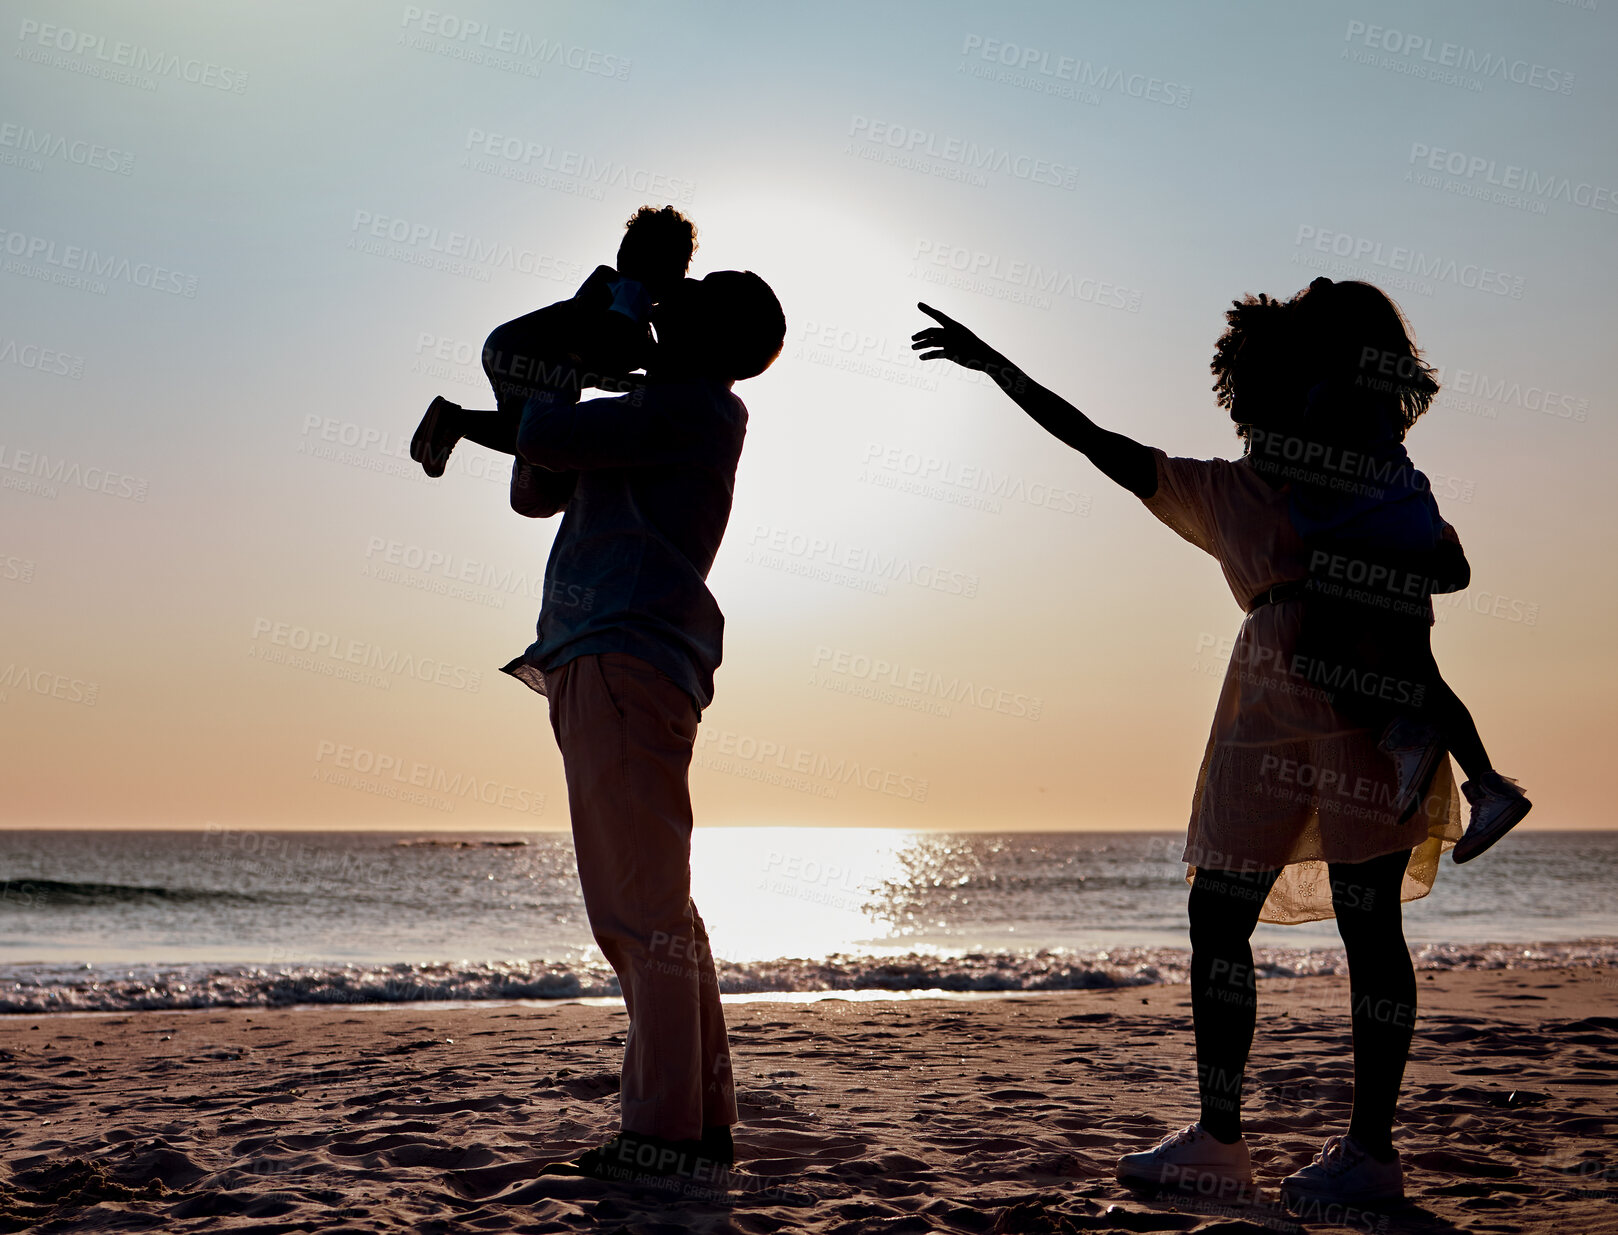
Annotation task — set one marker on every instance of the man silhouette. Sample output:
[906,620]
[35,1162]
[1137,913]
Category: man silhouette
[629,638]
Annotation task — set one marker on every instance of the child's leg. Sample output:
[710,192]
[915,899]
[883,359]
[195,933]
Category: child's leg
[443,426]
[1440,707]
[446,423]
[1444,710]
[515,362]
[494,428]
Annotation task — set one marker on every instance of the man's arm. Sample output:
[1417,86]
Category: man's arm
[1451,572]
[1120,458]
[539,493]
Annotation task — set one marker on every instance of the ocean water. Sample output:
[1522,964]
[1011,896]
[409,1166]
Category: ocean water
[107,920]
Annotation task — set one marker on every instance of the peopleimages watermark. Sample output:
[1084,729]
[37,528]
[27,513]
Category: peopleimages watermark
[385,558]
[865,353]
[290,860]
[536,162]
[47,684]
[1289,456]
[814,882]
[798,767]
[968,269]
[41,359]
[380,450]
[829,560]
[502,47]
[1372,582]
[28,148]
[447,359]
[963,484]
[1513,609]
[87,269]
[1398,265]
[951,158]
[14,569]
[309,862]
[925,690]
[1071,77]
[320,651]
[33,471]
[1475,175]
[1285,671]
[1476,393]
[453,252]
[396,776]
[1451,64]
[130,64]
[1335,790]
[1327,465]
[1209,1193]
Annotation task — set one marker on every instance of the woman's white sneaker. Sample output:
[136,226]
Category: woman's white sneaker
[1344,1173]
[1190,1158]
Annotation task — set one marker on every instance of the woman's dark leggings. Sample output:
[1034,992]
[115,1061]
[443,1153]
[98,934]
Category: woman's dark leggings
[1224,910]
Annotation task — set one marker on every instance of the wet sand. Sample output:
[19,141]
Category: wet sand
[989,1115]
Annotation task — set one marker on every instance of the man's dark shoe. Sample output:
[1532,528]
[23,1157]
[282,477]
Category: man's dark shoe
[631,1156]
[435,436]
[718,1144]
[619,1159]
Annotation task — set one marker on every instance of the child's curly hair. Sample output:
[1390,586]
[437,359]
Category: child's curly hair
[1349,334]
[659,241]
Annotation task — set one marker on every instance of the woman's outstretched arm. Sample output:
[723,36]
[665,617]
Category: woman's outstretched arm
[1120,458]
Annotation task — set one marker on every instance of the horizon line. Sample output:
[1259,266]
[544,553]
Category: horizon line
[562,830]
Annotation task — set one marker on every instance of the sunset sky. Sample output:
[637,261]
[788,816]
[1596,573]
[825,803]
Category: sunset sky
[242,249]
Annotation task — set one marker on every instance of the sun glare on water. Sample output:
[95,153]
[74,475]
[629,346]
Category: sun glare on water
[798,892]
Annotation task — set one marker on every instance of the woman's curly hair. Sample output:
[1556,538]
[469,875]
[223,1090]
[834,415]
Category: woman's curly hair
[1348,334]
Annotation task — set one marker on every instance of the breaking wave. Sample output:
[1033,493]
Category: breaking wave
[56,988]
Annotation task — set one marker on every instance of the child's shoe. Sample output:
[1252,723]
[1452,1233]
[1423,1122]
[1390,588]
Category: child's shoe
[1498,805]
[1416,753]
[435,436]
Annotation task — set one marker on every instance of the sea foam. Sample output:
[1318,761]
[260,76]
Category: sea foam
[55,988]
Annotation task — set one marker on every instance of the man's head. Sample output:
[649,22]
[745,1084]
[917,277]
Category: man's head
[728,326]
[657,247]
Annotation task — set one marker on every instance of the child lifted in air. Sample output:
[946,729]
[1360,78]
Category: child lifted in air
[598,337]
[1378,547]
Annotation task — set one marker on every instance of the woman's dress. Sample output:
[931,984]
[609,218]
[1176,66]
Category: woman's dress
[1286,782]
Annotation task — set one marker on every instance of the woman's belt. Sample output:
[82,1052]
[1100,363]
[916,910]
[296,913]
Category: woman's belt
[1279,593]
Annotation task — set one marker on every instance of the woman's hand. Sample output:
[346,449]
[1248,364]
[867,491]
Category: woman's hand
[1127,462]
[949,340]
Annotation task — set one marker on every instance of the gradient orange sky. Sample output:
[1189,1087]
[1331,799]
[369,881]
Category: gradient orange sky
[230,598]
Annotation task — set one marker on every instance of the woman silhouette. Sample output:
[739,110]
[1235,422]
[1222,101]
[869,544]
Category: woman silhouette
[1296,815]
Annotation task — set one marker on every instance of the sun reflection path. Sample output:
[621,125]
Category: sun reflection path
[815,892]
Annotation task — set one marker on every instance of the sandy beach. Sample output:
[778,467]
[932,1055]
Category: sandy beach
[984,1115]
